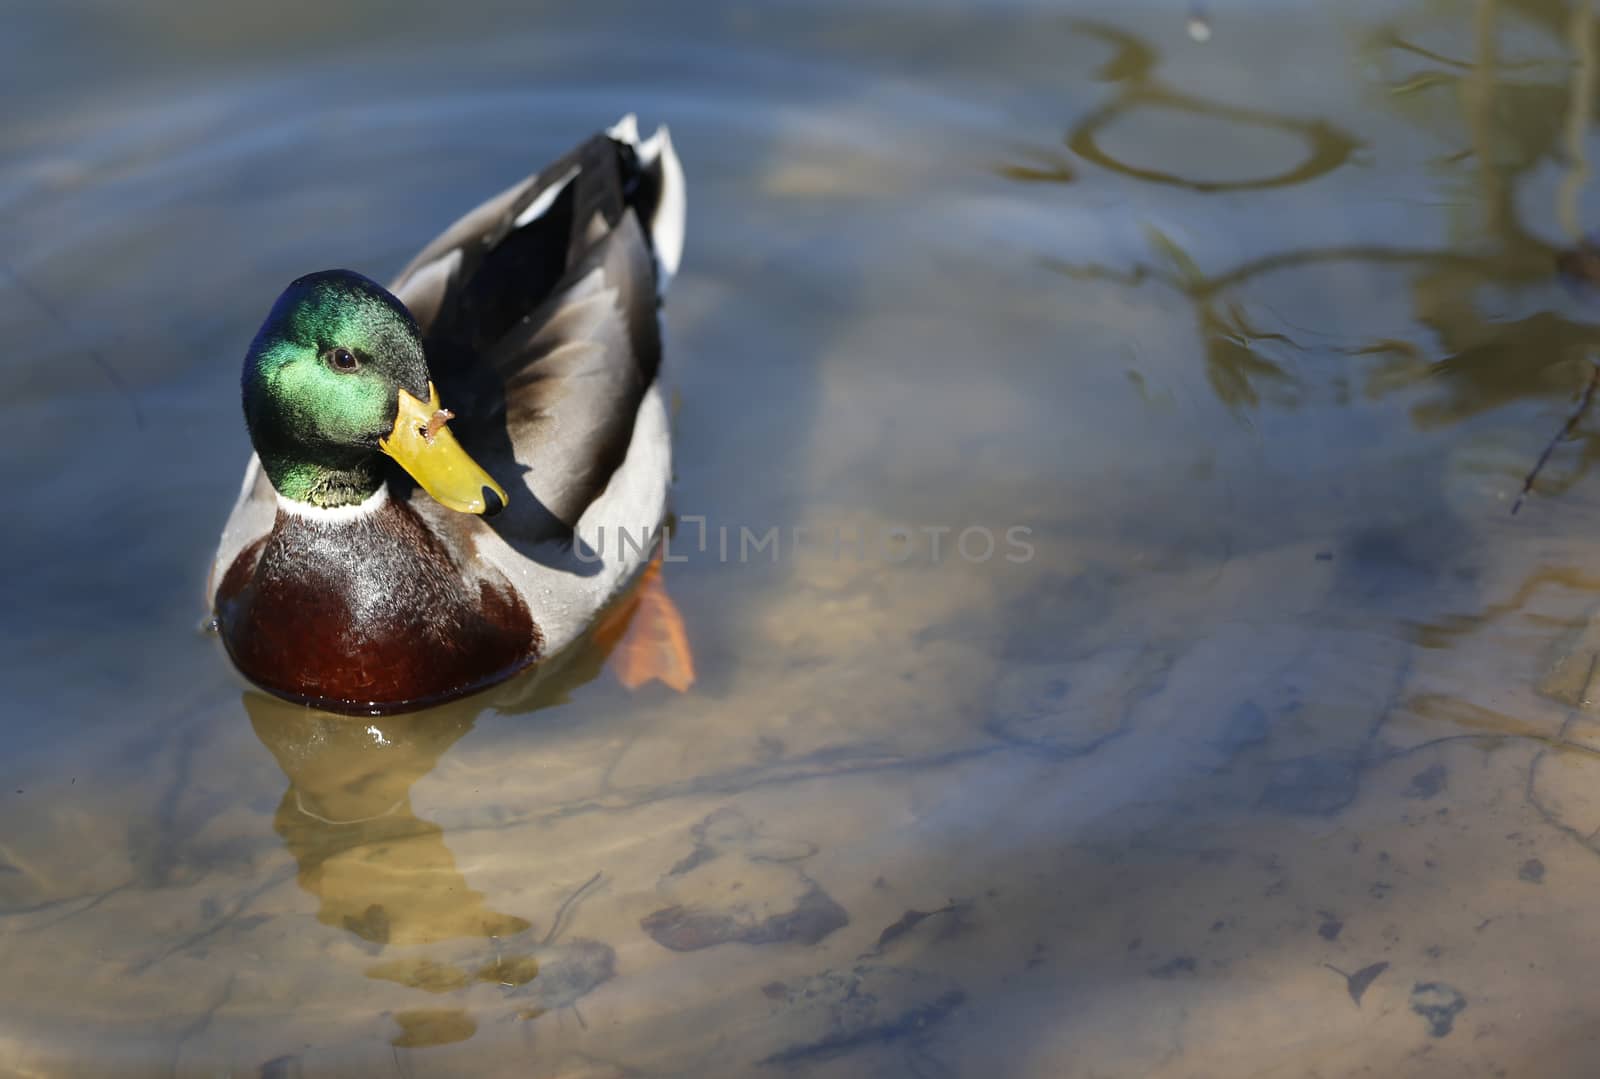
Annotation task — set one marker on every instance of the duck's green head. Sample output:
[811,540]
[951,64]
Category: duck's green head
[334,380]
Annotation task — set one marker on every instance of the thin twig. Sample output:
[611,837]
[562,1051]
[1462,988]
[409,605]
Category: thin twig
[1561,436]
[566,906]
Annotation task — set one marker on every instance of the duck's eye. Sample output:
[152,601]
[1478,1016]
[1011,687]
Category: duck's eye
[341,359]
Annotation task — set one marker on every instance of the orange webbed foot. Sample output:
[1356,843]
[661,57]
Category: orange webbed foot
[645,636]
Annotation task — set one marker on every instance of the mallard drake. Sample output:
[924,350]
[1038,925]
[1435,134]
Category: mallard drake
[453,476]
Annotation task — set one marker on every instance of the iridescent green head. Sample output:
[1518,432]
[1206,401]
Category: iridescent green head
[335,379]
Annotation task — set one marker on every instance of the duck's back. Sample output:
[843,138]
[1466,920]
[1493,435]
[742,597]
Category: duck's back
[539,312]
[502,261]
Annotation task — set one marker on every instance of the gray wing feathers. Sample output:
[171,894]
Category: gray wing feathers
[573,375]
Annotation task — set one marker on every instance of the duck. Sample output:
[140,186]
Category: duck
[455,476]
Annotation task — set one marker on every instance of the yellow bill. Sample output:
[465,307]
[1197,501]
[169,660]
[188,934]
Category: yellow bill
[425,448]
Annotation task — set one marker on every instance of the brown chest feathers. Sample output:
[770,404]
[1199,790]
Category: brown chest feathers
[370,615]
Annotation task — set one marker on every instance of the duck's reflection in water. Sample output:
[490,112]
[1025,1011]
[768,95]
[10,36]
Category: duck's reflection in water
[386,875]
[378,869]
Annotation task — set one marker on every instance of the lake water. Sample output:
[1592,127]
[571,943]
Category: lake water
[1259,743]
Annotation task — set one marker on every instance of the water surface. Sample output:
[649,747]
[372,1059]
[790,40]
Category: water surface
[1269,755]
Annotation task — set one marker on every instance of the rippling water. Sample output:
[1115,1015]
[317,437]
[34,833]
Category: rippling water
[1260,743]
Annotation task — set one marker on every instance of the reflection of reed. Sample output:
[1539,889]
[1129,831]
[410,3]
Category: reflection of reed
[1580,109]
[1207,286]
[1327,147]
[1518,114]
[1479,94]
[1132,66]
[1239,368]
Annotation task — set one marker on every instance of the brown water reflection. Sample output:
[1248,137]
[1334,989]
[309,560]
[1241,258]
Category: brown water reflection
[1134,66]
[387,876]
[378,870]
[1513,118]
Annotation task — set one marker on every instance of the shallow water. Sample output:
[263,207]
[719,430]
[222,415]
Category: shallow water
[1261,749]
